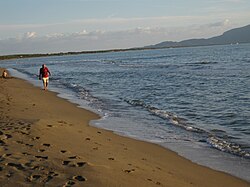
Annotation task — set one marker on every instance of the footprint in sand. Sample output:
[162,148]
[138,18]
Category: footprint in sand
[80,164]
[73,157]
[29,145]
[21,142]
[129,170]
[98,144]
[7,155]
[28,164]
[34,177]
[52,173]
[36,138]
[8,136]
[69,163]
[2,143]
[42,157]
[17,166]
[46,145]
[69,183]
[40,168]
[62,122]
[10,174]
[26,154]
[21,123]
[48,179]
[50,176]
[66,162]
[41,150]
[5,136]
[79,178]
[63,151]
[23,133]
[157,183]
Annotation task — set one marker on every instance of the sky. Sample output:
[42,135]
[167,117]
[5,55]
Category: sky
[48,26]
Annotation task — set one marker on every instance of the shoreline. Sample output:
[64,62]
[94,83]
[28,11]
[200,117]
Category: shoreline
[46,139]
[38,55]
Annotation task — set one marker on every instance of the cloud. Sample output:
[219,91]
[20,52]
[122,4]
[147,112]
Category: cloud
[30,35]
[223,23]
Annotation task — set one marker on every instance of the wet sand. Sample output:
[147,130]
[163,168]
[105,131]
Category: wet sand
[46,141]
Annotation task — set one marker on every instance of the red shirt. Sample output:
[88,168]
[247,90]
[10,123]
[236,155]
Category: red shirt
[44,72]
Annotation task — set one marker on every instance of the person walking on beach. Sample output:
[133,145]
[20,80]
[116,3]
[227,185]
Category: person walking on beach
[44,76]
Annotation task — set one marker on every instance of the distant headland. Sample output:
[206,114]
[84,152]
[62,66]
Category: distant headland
[233,36]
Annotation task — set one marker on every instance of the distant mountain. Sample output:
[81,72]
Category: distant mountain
[233,36]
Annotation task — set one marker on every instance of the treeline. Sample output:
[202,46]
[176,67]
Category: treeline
[17,56]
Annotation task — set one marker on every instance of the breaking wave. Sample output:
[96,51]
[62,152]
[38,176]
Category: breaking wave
[211,138]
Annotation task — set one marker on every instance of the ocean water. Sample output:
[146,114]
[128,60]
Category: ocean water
[195,101]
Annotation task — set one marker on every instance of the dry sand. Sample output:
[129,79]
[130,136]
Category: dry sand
[46,141]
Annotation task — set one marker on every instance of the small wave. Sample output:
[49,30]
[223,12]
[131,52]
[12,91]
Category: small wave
[107,61]
[227,146]
[132,65]
[32,75]
[80,92]
[176,120]
[215,138]
[203,63]
[73,85]
[207,62]
[151,58]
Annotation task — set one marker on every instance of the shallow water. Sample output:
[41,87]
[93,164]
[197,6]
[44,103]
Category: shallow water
[195,101]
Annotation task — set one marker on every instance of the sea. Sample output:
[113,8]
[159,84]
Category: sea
[194,101]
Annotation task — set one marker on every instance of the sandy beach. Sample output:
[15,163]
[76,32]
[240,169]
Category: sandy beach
[47,141]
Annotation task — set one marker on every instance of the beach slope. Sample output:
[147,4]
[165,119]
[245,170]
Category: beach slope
[46,141]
